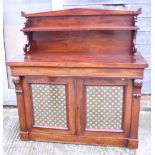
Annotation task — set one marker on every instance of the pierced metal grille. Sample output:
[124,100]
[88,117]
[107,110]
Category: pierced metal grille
[104,105]
[49,104]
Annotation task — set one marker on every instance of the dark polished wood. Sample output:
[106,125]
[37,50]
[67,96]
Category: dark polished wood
[133,142]
[81,103]
[83,28]
[69,84]
[78,48]
[78,71]
[21,107]
[79,59]
[81,11]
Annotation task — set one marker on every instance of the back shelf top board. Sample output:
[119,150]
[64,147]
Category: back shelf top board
[81,20]
[81,11]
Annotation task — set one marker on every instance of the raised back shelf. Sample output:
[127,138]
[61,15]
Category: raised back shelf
[81,30]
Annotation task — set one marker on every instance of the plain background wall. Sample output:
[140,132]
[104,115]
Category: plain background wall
[14,39]
[13,22]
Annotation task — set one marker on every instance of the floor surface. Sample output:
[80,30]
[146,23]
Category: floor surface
[14,146]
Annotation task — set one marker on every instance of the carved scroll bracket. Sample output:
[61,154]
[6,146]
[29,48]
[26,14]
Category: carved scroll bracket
[27,22]
[135,19]
[28,47]
[135,34]
[134,43]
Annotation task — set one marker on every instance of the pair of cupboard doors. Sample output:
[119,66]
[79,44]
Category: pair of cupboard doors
[78,106]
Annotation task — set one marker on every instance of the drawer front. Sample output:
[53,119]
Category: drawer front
[104,106]
[49,106]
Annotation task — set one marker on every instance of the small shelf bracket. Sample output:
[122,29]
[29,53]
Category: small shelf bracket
[134,43]
[28,47]
[134,36]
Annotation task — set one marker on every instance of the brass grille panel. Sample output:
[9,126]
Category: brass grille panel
[49,104]
[104,106]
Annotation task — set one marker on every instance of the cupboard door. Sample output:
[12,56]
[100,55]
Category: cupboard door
[104,106]
[50,104]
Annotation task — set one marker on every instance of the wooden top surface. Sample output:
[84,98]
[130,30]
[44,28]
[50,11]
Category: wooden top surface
[60,59]
[81,11]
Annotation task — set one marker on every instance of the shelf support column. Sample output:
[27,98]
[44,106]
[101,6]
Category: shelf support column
[21,107]
[133,137]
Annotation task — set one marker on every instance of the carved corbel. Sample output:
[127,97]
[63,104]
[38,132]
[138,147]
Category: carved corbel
[17,80]
[137,87]
[138,83]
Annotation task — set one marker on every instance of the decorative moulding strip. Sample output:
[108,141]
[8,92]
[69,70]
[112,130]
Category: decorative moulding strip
[31,29]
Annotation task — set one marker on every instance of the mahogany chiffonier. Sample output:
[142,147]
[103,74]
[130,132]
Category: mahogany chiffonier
[80,76]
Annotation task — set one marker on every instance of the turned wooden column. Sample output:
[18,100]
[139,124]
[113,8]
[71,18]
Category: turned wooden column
[21,107]
[133,138]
